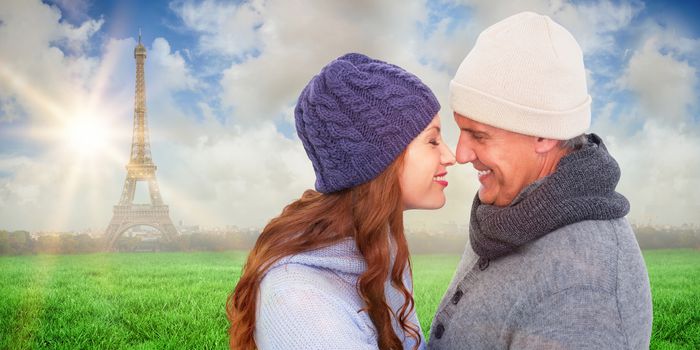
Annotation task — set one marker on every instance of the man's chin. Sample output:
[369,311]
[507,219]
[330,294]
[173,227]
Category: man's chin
[484,198]
[491,200]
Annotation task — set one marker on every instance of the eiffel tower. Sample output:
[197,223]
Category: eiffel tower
[140,168]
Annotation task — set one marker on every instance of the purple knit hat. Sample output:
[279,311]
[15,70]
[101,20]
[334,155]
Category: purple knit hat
[357,115]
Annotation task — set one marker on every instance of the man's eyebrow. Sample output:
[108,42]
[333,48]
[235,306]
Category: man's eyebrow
[475,132]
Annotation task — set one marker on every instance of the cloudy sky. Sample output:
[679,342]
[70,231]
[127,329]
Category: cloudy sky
[222,79]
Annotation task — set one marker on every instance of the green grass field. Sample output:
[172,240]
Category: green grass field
[176,300]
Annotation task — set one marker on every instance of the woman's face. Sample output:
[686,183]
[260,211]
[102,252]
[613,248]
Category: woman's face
[425,165]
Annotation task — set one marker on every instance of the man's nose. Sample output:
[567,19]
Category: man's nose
[464,153]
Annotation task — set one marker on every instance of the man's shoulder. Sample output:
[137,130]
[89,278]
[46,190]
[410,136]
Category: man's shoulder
[601,236]
[580,255]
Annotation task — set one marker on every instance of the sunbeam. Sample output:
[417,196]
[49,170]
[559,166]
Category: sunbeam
[83,135]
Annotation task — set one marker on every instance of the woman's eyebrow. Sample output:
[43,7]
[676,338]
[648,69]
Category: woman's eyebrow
[433,127]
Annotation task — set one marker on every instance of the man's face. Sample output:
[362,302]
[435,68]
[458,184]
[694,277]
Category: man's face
[506,161]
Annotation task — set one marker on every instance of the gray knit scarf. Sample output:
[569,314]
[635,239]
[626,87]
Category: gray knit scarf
[581,188]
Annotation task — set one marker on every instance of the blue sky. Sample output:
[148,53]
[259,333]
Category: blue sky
[222,78]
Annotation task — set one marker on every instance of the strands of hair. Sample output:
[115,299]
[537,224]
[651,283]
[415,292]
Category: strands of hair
[372,214]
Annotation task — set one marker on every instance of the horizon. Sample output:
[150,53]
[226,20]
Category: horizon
[461,229]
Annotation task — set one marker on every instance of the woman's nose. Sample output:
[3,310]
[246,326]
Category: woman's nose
[447,158]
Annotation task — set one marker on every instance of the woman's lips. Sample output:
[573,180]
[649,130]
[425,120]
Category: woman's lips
[440,179]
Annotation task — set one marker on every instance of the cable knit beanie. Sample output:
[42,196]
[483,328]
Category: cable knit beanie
[525,74]
[357,115]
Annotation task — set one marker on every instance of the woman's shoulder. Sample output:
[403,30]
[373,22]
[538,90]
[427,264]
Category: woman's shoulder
[341,257]
[327,275]
[300,275]
[293,276]
[298,301]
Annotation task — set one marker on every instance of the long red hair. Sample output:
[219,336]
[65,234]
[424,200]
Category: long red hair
[371,213]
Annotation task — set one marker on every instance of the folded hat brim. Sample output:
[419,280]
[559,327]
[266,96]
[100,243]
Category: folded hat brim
[497,112]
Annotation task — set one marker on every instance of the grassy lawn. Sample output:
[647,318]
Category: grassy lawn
[176,300]
[675,291]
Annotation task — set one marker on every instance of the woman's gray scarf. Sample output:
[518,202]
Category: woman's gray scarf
[581,188]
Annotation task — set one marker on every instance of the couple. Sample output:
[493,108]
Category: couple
[551,261]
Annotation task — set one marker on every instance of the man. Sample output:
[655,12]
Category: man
[551,262]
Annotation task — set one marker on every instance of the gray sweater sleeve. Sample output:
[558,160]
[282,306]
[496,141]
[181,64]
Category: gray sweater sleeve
[580,317]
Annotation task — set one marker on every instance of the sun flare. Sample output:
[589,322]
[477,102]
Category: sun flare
[87,136]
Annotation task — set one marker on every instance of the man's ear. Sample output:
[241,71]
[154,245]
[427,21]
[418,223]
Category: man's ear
[543,145]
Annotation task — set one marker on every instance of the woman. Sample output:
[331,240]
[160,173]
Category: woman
[333,271]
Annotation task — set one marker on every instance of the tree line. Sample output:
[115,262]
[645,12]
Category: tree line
[22,242]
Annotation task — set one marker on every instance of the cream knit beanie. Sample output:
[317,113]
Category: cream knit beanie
[525,74]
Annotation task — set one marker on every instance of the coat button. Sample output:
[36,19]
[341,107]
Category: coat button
[458,295]
[439,330]
[483,263]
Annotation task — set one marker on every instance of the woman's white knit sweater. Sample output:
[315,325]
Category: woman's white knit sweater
[310,301]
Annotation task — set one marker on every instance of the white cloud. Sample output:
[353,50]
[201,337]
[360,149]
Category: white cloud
[9,110]
[654,139]
[449,43]
[488,12]
[34,71]
[76,38]
[244,177]
[660,173]
[53,192]
[294,48]
[593,24]
[73,9]
[168,71]
[225,28]
[665,85]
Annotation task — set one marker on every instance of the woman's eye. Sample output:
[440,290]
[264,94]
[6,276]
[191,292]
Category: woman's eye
[434,142]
